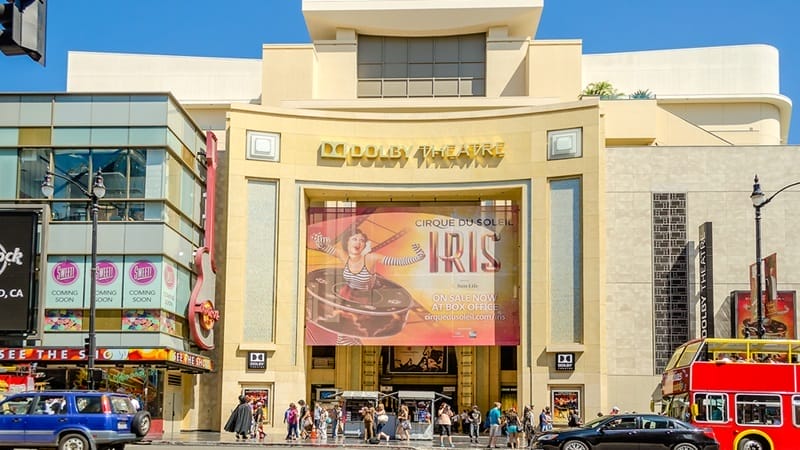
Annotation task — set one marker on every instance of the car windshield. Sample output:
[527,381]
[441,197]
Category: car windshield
[594,423]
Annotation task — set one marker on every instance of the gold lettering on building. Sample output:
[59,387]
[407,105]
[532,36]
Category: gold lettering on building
[343,150]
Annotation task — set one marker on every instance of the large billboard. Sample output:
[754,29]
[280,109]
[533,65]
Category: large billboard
[412,276]
[17,268]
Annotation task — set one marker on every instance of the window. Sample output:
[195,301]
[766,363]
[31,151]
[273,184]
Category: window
[758,409]
[508,358]
[17,405]
[88,404]
[51,404]
[711,407]
[453,66]
[566,259]
[796,410]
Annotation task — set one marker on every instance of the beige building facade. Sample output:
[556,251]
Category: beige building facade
[458,106]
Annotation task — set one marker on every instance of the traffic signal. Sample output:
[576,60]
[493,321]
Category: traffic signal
[87,346]
[24,25]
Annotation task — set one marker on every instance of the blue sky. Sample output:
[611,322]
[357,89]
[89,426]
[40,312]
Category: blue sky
[238,28]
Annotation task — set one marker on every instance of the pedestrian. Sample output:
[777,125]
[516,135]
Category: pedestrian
[241,419]
[334,416]
[493,420]
[614,411]
[305,421]
[574,419]
[381,419]
[474,419]
[368,418]
[444,418]
[258,419]
[290,419]
[513,427]
[529,424]
[324,420]
[545,420]
[403,424]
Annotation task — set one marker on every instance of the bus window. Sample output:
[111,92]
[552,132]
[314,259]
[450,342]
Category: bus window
[756,409]
[688,355]
[711,407]
[796,412]
[678,407]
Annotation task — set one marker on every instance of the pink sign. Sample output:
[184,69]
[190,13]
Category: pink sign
[169,276]
[143,272]
[65,272]
[106,273]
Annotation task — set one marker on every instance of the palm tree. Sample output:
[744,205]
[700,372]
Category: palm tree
[603,89]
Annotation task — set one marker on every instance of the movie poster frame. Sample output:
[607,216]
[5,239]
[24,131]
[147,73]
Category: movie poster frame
[556,396]
[738,300]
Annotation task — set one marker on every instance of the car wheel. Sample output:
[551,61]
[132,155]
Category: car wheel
[685,446]
[752,443]
[118,447]
[73,442]
[140,425]
[575,445]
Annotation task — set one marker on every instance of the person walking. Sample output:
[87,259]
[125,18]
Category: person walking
[381,419]
[574,419]
[545,420]
[529,424]
[444,418]
[403,424]
[513,427]
[474,420]
[241,419]
[290,419]
[368,416]
[335,417]
[493,420]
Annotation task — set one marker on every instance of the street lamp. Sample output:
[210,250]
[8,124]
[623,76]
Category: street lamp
[760,200]
[98,191]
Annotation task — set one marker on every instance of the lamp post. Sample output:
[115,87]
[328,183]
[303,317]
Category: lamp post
[760,200]
[97,192]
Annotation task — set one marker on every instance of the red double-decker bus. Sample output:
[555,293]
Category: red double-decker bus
[746,390]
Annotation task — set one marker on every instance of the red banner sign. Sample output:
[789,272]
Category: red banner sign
[106,354]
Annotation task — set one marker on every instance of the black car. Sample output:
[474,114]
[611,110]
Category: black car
[630,431]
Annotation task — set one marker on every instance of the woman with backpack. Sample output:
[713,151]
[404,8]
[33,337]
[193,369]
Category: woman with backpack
[290,419]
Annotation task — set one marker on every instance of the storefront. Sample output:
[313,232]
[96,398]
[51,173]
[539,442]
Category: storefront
[151,375]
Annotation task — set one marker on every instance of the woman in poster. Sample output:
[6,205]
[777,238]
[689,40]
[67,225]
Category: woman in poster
[360,262]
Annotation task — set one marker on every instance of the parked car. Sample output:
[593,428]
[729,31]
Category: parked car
[71,420]
[640,431]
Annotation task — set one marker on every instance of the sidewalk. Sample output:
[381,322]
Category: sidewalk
[211,438]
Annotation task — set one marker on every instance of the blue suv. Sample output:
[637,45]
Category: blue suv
[71,420]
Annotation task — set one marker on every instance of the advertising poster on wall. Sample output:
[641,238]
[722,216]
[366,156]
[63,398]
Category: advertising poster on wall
[109,281]
[63,320]
[779,315]
[444,275]
[66,284]
[142,282]
[169,286]
[261,397]
[565,400]
[428,359]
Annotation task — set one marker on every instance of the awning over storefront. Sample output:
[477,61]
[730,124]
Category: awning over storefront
[168,357]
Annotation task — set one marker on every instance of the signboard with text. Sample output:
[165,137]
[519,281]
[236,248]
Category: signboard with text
[443,275]
[17,266]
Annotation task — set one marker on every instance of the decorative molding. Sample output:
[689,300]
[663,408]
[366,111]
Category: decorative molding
[263,146]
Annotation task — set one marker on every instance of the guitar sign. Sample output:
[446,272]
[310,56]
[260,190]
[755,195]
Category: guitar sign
[202,313]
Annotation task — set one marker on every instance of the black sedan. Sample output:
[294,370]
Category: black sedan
[630,431]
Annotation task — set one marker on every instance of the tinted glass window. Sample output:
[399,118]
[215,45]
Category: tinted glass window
[122,405]
[89,404]
[51,404]
[16,405]
[758,409]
